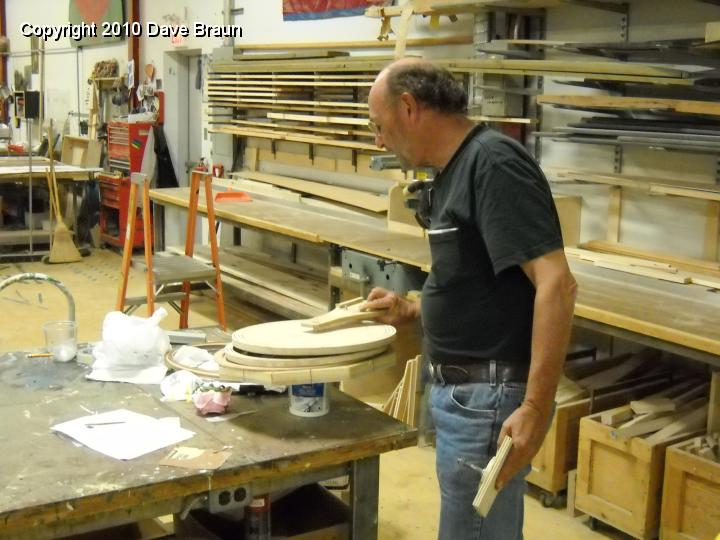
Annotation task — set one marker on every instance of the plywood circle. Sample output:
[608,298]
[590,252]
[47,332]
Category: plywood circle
[290,338]
[248,359]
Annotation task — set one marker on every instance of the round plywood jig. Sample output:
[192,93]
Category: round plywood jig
[290,338]
[250,359]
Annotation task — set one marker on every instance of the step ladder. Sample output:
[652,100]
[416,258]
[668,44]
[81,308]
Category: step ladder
[169,277]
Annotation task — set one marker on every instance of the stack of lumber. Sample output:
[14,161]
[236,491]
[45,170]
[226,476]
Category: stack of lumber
[403,401]
[677,410]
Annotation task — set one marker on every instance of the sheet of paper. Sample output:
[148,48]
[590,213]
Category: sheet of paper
[150,375]
[124,434]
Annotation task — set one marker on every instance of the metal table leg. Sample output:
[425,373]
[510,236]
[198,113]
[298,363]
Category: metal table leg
[364,487]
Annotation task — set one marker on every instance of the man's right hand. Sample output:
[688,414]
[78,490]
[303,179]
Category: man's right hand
[399,310]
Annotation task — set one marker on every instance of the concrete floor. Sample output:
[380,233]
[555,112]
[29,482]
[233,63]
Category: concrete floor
[408,487]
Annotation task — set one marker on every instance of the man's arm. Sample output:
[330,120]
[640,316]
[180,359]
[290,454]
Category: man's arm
[555,291]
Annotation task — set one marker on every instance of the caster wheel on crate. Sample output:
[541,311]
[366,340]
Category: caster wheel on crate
[548,499]
[593,524]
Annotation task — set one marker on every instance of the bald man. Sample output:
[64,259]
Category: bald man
[497,305]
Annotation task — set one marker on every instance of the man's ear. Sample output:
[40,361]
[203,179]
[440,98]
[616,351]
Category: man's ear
[408,106]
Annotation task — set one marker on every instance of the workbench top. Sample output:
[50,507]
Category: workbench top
[316,225]
[50,481]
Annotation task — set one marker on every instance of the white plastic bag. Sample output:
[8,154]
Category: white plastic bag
[132,349]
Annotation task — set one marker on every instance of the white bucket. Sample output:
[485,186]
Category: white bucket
[309,399]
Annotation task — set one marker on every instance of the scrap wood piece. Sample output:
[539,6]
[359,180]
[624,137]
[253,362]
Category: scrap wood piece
[345,313]
[691,421]
[653,405]
[643,424]
[568,390]
[646,272]
[594,256]
[613,417]
[487,491]
[683,263]
[627,368]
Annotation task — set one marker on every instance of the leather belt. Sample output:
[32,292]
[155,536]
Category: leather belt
[485,371]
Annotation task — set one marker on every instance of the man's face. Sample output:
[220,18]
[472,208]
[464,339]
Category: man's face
[387,124]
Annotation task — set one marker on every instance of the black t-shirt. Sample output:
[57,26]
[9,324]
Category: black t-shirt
[492,210]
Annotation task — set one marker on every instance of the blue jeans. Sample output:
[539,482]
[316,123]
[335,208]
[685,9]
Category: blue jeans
[467,419]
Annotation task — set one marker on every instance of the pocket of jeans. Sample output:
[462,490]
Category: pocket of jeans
[479,400]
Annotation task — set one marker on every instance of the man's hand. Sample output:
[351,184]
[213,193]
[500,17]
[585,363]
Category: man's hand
[527,426]
[399,310]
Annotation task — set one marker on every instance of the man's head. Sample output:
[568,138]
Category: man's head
[408,102]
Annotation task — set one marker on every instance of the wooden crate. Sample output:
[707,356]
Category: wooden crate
[691,496]
[620,482]
[558,453]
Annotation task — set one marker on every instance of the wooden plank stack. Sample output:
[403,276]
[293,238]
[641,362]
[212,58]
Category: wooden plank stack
[621,456]
[403,402]
[589,387]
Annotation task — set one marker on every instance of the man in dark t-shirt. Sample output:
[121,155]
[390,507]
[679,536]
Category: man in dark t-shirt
[497,305]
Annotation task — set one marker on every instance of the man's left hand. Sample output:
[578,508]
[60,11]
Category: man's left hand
[527,426]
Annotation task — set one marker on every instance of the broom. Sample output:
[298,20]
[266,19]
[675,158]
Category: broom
[63,248]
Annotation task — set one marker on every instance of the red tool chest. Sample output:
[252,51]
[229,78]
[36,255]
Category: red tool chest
[126,145]
[114,200]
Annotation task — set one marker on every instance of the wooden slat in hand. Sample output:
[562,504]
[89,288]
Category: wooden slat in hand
[487,492]
[344,314]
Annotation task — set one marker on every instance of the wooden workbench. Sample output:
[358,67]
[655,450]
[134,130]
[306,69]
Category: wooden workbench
[17,169]
[52,487]
[684,319]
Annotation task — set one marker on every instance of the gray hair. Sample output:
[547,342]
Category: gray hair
[430,84]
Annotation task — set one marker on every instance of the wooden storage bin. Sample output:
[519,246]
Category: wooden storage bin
[691,496]
[620,482]
[558,453]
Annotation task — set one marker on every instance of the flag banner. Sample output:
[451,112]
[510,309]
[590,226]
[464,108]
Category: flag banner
[300,10]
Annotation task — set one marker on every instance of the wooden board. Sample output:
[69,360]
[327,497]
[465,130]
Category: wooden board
[616,103]
[266,362]
[323,374]
[291,338]
[352,197]
[683,263]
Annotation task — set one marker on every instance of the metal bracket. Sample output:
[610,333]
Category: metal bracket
[618,163]
[372,271]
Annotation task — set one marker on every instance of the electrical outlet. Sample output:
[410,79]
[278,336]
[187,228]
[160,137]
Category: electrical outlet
[222,500]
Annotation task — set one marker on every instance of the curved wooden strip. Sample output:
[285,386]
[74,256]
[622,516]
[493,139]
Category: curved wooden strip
[246,359]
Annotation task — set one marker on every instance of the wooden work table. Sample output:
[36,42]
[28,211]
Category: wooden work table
[53,488]
[683,319]
[17,169]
